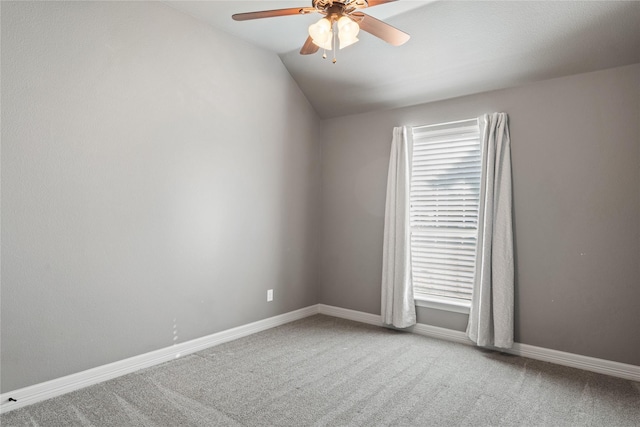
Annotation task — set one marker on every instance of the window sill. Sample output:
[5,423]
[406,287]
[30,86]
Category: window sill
[443,304]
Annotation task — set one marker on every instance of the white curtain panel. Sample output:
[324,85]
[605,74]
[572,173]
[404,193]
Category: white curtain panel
[398,306]
[491,314]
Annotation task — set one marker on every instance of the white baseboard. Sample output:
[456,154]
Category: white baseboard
[601,366]
[344,313]
[441,333]
[593,364]
[59,386]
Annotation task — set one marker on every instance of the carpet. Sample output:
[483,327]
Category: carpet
[324,371]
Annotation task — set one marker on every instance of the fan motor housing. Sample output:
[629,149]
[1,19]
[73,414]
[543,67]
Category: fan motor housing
[325,5]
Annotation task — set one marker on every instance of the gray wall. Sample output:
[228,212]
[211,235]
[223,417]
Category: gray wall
[576,181]
[157,178]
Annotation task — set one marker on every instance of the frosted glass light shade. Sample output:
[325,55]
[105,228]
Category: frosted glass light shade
[321,33]
[347,31]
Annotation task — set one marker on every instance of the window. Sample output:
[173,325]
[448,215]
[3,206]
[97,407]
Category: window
[445,190]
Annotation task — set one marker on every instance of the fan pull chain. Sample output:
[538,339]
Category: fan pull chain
[324,50]
[333,39]
[334,44]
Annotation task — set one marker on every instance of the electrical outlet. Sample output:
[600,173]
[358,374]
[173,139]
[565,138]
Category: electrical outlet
[270,295]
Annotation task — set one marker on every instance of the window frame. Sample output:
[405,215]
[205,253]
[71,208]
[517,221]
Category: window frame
[444,303]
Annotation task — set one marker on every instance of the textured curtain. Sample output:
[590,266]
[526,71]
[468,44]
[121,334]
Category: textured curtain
[491,314]
[398,307]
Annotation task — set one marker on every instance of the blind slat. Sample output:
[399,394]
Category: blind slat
[457,140]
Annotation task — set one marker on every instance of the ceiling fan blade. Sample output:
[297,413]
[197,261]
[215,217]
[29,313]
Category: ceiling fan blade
[309,47]
[381,29]
[370,3]
[272,13]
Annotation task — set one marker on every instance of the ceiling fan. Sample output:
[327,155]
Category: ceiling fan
[340,16]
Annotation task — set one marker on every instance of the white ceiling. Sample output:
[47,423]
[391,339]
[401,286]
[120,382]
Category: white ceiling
[456,48]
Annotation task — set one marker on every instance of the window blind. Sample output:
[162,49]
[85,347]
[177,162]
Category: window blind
[445,190]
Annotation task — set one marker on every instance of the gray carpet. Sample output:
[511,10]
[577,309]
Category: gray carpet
[323,371]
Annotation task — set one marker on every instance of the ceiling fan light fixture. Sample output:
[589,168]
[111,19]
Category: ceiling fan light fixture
[321,33]
[344,15]
[347,31]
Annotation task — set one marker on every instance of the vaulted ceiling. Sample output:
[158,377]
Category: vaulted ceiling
[456,47]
